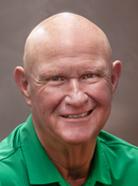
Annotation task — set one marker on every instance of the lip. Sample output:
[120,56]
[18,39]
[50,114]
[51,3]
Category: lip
[77,116]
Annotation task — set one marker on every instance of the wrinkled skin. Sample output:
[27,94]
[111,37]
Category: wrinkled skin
[66,86]
[68,80]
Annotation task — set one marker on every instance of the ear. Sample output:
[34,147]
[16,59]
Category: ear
[116,71]
[22,83]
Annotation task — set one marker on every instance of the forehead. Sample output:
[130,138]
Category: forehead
[61,50]
[69,43]
[70,65]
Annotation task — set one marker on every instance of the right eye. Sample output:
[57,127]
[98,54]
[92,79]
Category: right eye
[57,78]
[52,79]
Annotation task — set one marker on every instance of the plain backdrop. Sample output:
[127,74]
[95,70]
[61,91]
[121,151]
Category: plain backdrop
[119,19]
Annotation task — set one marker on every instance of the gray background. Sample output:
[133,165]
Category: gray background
[118,18]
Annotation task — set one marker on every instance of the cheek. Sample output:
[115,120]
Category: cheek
[47,99]
[101,92]
[44,104]
[103,96]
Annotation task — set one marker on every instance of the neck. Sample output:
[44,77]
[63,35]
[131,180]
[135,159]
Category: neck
[72,161]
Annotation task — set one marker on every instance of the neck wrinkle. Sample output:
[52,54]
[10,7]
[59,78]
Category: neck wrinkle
[73,162]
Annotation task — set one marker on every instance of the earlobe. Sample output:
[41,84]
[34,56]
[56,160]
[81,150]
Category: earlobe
[116,72]
[22,83]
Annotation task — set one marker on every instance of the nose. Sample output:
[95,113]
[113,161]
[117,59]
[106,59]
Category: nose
[76,97]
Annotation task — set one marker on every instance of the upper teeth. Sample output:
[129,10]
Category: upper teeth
[77,115]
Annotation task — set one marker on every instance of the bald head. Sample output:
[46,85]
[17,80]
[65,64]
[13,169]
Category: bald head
[63,33]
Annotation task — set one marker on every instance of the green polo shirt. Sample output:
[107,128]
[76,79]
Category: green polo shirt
[24,162]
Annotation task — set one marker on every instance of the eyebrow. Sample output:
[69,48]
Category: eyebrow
[66,71]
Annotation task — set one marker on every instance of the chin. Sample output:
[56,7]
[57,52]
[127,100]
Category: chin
[78,139]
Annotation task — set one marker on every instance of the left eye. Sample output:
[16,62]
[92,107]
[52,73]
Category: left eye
[88,76]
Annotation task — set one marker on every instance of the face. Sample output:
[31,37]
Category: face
[70,95]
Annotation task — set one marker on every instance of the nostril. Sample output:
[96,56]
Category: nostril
[76,99]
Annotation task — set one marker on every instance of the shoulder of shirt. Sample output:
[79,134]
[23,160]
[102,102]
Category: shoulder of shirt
[112,140]
[115,148]
[10,144]
[10,151]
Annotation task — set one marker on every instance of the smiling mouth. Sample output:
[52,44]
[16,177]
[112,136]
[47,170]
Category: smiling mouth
[76,116]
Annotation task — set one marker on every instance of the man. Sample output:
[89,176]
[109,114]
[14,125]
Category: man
[68,80]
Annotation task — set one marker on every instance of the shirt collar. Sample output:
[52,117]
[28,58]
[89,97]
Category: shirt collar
[40,168]
[100,170]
